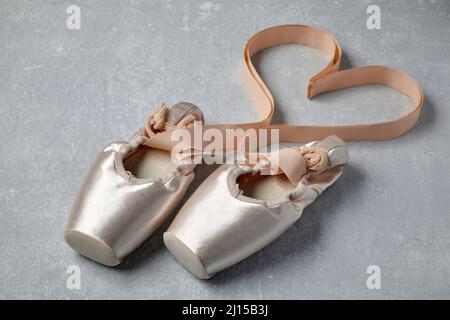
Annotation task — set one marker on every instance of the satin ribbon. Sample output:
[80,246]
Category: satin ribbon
[328,79]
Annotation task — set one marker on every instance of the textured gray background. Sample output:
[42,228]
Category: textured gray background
[65,94]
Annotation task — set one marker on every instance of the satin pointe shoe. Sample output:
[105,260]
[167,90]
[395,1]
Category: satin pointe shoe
[130,190]
[239,209]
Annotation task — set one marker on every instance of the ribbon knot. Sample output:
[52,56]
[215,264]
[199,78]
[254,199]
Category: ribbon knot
[160,119]
[316,159]
[157,119]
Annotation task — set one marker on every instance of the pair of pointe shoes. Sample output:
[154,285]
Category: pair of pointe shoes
[132,188]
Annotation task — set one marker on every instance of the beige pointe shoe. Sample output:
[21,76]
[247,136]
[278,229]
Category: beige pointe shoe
[237,211]
[130,190]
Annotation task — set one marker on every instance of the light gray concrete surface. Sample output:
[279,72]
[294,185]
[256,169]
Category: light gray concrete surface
[64,94]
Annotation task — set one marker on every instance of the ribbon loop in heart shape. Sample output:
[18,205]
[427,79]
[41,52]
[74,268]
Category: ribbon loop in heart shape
[328,79]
